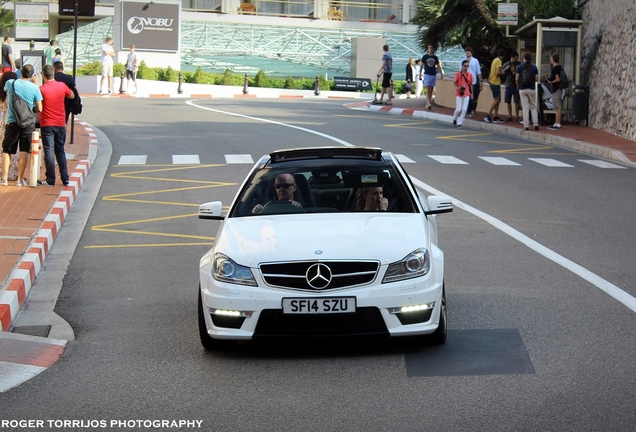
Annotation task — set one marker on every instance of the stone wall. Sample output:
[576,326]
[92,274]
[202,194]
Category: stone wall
[608,64]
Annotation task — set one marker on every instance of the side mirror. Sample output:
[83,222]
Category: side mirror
[211,210]
[439,204]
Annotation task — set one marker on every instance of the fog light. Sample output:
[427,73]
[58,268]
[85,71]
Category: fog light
[413,308]
[231,313]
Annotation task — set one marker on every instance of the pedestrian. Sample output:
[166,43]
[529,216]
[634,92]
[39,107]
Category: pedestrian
[386,71]
[475,69]
[410,75]
[70,83]
[49,52]
[463,88]
[58,56]
[8,64]
[53,125]
[494,80]
[4,107]
[418,78]
[512,92]
[132,65]
[554,78]
[526,78]
[107,63]
[14,135]
[431,65]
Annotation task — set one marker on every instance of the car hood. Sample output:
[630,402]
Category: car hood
[385,237]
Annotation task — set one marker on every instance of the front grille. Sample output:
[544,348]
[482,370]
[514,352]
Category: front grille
[344,274]
[365,321]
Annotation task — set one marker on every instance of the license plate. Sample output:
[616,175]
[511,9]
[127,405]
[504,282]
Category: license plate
[331,305]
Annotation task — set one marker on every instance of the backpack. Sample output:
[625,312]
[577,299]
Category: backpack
[75,104]
[527,78]
[22,111]
[563,79]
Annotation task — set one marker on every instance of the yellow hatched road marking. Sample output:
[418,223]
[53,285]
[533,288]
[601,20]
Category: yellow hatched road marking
[147,245]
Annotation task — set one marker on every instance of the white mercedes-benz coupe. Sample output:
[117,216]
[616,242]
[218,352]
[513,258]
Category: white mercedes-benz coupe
[324,241]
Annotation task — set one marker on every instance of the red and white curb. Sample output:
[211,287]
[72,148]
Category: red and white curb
[23,357]
[21,279]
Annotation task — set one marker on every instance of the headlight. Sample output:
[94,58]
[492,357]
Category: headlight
[226,270]
[415,264]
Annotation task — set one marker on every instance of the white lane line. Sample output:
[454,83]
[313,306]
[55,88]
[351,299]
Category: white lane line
[499,161]
[132,160]
[611,289]
[329,137]
[404,159]
[239,159]
[450,160]
[602,163]
[185,159]
[553,163]
[584,273]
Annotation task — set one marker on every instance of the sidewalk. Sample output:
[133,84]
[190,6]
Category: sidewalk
[33,217]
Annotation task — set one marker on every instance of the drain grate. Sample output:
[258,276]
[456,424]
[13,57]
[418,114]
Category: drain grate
[35,330]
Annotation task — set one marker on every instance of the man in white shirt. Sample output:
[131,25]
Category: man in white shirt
[107,63]
[475,69]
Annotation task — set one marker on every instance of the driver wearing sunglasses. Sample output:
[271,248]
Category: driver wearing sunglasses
[285,186]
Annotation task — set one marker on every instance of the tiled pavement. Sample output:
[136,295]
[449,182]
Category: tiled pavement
[31,218]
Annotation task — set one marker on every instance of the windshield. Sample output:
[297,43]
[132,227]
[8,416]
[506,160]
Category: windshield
[321,186]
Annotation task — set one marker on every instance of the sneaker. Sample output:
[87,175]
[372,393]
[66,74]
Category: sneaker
[536,128]
[99,92]
[459,126]
[471,115]
[521,120]
[497,120]
[21,183]
[109,92]
[526,129]
[4,183]
[555,127]
[487,119]
[454,122]
[44,183]
[65,183]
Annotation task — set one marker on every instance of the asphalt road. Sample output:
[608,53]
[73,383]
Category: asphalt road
[532,250]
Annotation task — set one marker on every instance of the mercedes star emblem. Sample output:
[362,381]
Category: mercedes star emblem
[318,276]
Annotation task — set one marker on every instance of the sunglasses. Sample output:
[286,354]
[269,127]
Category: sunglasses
[284,185]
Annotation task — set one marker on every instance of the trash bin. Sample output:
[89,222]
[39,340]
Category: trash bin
[580,102]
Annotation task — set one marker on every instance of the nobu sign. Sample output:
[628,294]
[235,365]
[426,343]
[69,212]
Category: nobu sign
[150,27]
[352,83]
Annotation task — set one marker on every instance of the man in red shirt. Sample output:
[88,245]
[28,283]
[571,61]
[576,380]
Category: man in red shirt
[53,125]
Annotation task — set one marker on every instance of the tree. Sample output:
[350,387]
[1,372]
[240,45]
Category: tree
[449,23]
[6,15]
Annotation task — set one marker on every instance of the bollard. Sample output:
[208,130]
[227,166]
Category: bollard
[245,86]
[34,173]
[32,46]
[392,91]
[121,84]
[317,86]
[180,86]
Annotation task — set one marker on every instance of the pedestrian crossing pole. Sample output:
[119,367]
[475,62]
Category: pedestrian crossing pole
[35,159]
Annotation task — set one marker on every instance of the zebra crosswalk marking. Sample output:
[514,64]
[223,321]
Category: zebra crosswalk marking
[499,161]
[551,163]
[132,160]
[185,159]
[601,164]
[239,159]
[404,159]
[451,160]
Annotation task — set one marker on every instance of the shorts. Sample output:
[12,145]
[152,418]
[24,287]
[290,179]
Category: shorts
[429,80]
[14,135]
[131,75]
[510,92]
[557,102]
[496,90]
[7,69]
[386,79]
[107,70]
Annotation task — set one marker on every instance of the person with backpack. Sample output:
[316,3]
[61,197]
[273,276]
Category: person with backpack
[558,85]
[16,136]
[526,79]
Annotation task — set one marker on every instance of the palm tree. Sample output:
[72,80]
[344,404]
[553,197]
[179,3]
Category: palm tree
[449,23]
[6,15]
